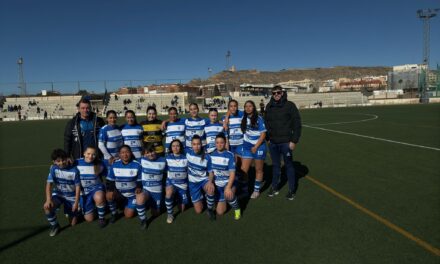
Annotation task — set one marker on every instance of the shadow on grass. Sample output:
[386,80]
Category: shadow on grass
[33,231]
[301,171]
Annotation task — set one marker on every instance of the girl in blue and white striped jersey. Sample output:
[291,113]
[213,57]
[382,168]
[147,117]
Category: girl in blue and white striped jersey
[254,145]
[132,134]
[223,167]
[200,177]
[110,138]
[153,168]
[194,125]
[177,178]
[124,180]
[174,128]
[90,172]
[212,129]
[232,124]
[62,187]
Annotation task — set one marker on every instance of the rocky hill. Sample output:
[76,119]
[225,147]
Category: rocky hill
[266,77]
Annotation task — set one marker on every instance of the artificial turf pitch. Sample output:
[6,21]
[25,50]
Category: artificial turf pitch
[399,183]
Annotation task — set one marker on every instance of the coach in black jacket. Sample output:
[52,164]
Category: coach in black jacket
[283,124]
[82,130]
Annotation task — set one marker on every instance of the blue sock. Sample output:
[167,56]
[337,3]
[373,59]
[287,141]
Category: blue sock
[141,212]
[169,204]
[101,211]
[233,203]
[210,201]
[52,218]
[112,207]
[257,186]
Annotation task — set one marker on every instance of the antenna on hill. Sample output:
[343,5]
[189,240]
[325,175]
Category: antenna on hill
[21,84]
[228,60]
[426,15]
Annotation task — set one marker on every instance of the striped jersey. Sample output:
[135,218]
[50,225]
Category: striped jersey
[177,170]
[222,163]
[110,140]
[89,179]
[198,169]
[175,130]
[152,174]
[64,181]
[194,126]
[132,135]
[234,129]
[253,133]
[125,176]
[211,132]
[153,134]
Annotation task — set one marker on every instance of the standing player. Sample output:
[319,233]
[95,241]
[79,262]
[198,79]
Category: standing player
[174,129]
[91,170]
[153,168]
[232,125]
[152,131]
[212,129]
[110,138]
[254,145]
[132,134]
[64,179]
[177,178]
[123,182]
[200,177]
[194,125]
[223,166]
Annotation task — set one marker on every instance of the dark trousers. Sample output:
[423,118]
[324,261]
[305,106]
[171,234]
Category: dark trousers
[276,152]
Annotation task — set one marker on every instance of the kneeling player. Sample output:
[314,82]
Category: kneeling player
[64,179]
[91,170]
[123,182]
[153,168]
[223,166]
[200,177]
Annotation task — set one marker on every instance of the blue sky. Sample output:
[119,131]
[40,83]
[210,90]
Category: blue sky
[119,40]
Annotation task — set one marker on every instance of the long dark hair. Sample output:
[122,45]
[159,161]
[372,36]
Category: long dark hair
[201,152]
[134,115]
[254,117]
[181,146]
[129,149]
[233,101]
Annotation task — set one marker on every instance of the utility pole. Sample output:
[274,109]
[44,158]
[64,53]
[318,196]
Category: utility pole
[425,15]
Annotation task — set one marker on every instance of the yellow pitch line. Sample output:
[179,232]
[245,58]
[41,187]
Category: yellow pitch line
[24,167]
[382,220]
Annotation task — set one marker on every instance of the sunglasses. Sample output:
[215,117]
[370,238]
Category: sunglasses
[277,93]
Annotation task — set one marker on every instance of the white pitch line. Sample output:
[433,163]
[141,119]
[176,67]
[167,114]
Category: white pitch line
[374,138]
[374,117]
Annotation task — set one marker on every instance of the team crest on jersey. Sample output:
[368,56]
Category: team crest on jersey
[131,172]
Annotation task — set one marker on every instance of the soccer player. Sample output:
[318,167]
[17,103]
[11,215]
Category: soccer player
[110,138]
[132,134]
[123,182]
[91,170]
[194,125]
[153,168]
[177,178]
[174,128]
[212,129]
[223,166]
[62,187]
[152,131]
[200,177]
[232,125]
[254,145]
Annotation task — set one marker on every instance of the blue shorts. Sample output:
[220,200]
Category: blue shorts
[154,199]
[245,152]
[180,189]
[195,190]
[59,200]
[220,192]
[235,149]
[130,202]
[88,203]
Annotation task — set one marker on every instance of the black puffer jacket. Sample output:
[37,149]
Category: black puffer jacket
[283,121]
[72,135]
